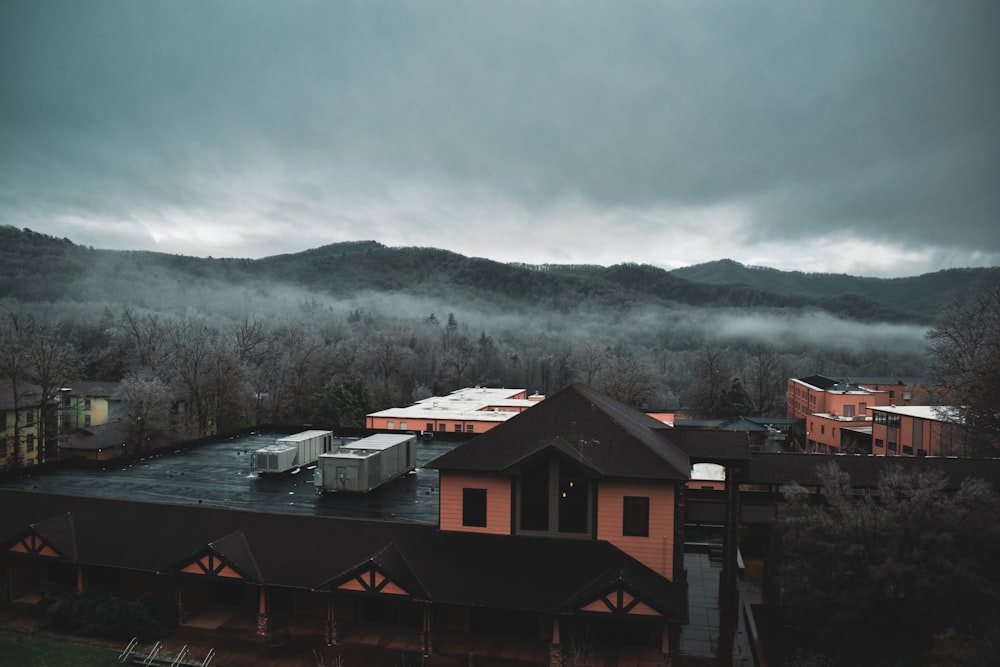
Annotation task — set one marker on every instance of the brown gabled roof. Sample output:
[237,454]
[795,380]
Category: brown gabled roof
[317,552]
[608,437]
[59,533]
[723,446]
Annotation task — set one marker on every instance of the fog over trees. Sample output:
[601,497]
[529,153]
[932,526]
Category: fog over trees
[328,335]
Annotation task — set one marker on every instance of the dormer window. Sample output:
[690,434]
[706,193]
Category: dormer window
[553,497]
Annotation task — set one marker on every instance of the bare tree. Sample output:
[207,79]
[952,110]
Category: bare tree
[713,375]
[766,380]
[14,333]
[53,363]
[627,379]
[592,359]
[147,401]
[965,366]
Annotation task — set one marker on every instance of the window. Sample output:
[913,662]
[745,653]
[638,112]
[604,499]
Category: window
[822,429]
[635,516]
[430,426]
[442,427]
[879,443]
[474,507]
[86,404]
[848,410]
[469,428]
[86,420]
[390,425]
[458,428]
[554,496]
[31,442]
[402,426]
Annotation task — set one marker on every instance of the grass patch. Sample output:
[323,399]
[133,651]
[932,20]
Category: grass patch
[32,651]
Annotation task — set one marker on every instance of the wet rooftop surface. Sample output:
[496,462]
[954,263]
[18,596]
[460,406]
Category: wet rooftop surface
[218,475]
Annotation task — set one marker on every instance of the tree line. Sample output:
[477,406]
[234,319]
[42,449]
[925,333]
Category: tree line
[185,377]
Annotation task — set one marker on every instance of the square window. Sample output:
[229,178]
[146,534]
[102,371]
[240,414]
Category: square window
[469,428]
[458,428]
[474,507]
[635,516]
[430,427]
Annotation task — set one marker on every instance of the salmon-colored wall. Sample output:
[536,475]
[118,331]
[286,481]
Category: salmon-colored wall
[655,551]
[931,436]
[498,501]
[420,424]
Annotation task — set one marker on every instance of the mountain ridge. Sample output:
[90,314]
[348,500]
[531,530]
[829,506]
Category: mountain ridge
[356,267]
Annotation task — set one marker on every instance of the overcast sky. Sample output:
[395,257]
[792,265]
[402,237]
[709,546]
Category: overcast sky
[836,136]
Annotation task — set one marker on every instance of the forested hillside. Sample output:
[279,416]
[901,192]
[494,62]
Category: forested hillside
[332,332]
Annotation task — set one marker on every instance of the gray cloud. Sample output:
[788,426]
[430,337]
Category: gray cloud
[237,128]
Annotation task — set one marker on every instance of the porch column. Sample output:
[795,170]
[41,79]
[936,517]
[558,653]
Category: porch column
[425,634]
[555,648]
[262,620]
[331,623]
[179,601]
[666,659]
[727,587]
[81,584]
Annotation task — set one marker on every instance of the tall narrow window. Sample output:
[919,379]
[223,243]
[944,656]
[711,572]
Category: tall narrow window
[573,500]
[474,507]
[535,496]
[635,516]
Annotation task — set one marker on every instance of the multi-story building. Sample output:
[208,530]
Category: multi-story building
[21,427]
[470,410]
[87,403]
[917,430]
[837,413]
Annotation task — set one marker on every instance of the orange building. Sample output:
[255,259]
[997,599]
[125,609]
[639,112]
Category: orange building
[470,410]
[916,430]
[837,413]
[581,466]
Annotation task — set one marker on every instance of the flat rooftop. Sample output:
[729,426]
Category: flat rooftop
[218,475]
[479,403]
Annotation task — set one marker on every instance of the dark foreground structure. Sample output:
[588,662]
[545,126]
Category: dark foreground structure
[567,532]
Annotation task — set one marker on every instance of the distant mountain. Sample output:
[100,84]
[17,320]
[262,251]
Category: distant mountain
[923,294]
[39,268]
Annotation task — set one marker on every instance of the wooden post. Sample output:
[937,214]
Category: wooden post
[179,601]
[425,634]
[555,648]
[262,620]
[331,622]
[81,585]
[665,657]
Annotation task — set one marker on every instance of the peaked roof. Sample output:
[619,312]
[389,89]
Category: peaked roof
[516,572]
[606,436]
[60,534]
[236,550]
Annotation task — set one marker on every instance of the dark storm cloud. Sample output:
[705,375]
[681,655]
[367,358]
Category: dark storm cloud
[230,124]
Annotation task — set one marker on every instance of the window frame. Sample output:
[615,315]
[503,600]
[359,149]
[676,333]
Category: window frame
[635,511]
[474,507]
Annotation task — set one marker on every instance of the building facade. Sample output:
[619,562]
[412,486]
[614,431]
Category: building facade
[464,411]
[916,430]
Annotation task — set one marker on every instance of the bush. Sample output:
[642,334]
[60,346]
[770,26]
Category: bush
[102,614]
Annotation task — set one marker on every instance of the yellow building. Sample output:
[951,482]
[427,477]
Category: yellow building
[20,420]
[87,403]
